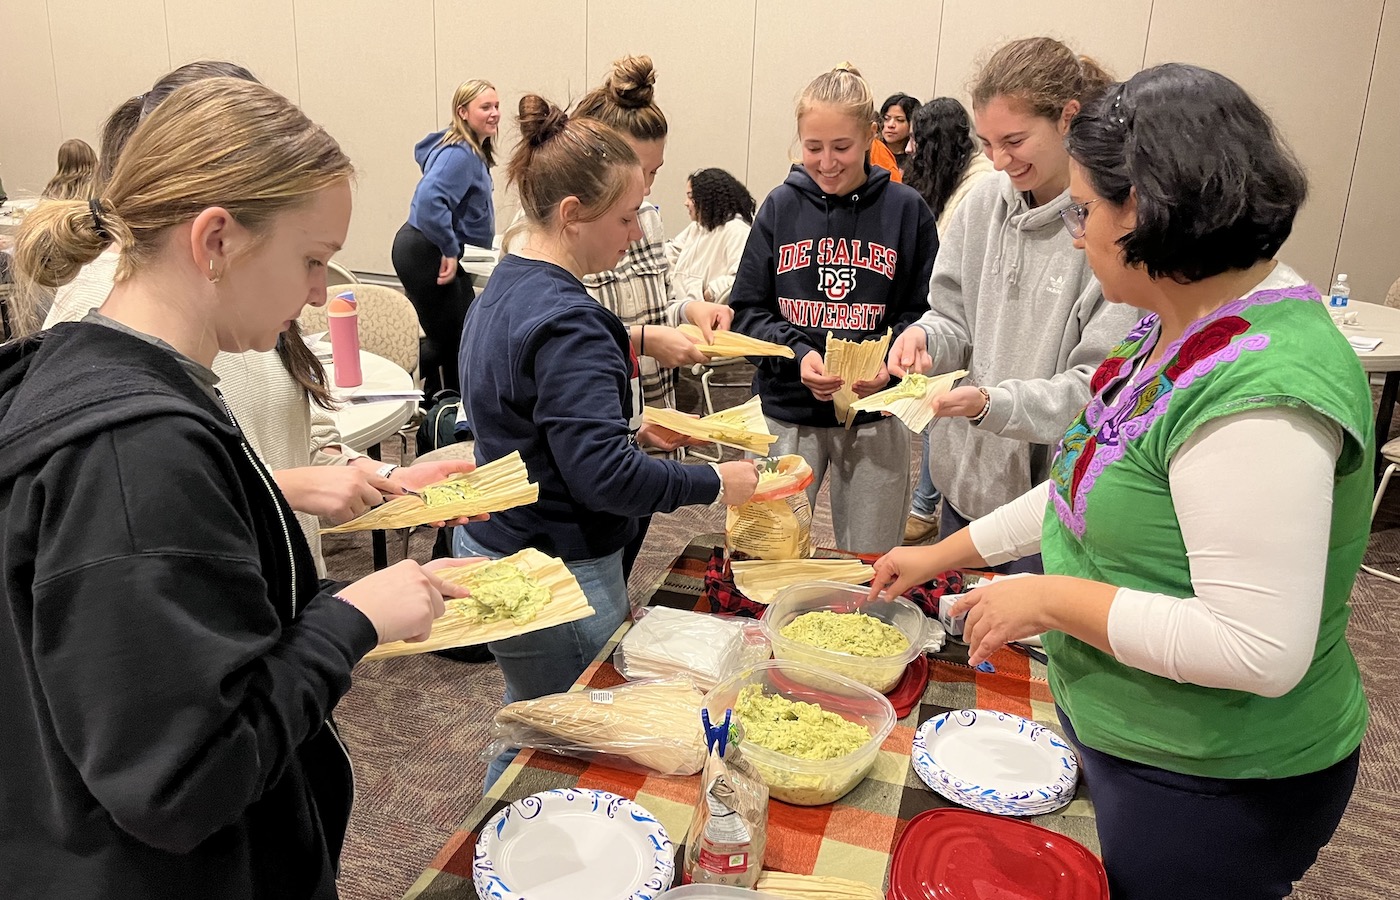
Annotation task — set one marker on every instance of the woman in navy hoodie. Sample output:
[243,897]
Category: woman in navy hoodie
[550,372]
[837,249]
[451,207]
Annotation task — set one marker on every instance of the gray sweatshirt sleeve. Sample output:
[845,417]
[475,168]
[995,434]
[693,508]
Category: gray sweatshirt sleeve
[1039,410]
[946,322]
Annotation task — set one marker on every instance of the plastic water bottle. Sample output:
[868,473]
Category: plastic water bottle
[1340,294]
[344,322]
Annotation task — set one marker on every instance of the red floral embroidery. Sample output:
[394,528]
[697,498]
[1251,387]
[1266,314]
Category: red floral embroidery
[1106,373]
[1212,339]
[1081,465]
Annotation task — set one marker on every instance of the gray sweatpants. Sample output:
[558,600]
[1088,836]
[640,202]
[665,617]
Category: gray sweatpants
[870,488]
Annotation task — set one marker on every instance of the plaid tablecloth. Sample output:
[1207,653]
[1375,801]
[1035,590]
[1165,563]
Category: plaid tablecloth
[852,838]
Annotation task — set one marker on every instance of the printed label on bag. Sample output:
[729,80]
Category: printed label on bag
[604,697]
[723,863]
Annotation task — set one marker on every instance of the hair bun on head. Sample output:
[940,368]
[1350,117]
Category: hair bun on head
[847,67]
[632,82]
[540,120]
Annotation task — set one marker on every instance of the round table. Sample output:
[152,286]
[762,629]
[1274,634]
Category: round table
[1376,321]
[363,426]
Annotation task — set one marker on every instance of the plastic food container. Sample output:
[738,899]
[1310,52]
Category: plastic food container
[809,782]
[716,892]
[880,673]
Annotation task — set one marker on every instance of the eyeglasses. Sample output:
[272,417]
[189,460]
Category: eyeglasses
[1075,216]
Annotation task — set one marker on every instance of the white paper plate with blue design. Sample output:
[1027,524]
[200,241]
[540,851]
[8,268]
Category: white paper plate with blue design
[995,762]
[573,844]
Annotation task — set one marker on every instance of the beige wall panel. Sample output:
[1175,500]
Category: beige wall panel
[28,100]
[1370,250]
[366,73]
[894,44]
[1113,32]
[257,34]
[489,43]
[104,52]
[703,59]
[1309,73]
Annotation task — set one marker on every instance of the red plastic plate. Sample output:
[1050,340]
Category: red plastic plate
[958,854]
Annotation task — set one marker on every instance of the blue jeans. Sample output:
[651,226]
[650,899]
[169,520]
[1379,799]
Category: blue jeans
[926,496]
[950,520]
[549,661]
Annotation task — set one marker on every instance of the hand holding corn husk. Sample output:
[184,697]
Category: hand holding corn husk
[761,579]
[499,485]
[742,427]
[853,362]
[732,343]
[913,400]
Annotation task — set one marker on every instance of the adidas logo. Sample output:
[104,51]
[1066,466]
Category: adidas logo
[1055,285]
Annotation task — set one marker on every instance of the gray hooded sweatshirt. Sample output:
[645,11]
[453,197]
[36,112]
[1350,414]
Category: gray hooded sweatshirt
[1013,302]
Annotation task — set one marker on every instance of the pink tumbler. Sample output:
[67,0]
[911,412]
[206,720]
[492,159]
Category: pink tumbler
[345,340]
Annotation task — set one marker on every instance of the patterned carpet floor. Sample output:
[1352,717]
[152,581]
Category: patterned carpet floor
[418,727]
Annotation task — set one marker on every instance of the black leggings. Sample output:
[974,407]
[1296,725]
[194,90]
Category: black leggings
[442,308]
[1168,836]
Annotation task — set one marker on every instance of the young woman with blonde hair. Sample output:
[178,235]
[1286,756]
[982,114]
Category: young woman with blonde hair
[452,207]
[168,660]
[839,249]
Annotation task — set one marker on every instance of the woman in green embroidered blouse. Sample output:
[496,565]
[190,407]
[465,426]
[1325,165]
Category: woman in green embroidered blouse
[1206,513]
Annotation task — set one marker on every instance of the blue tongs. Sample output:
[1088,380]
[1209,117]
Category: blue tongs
[716,735]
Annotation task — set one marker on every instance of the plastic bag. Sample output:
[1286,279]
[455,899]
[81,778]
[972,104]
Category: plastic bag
[729,830]
[777,522]
[649,725]
[665,642]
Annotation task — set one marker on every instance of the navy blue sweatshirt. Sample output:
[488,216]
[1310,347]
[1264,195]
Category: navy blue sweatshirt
[852,265]
[548,371]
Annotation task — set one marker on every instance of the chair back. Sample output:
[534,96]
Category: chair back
[1392,296]
[388,323]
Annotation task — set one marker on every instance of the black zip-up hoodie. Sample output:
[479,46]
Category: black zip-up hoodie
[851,265]
[168,658]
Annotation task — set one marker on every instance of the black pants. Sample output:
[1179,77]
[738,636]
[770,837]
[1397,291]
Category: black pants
[1168,836]
[442,308]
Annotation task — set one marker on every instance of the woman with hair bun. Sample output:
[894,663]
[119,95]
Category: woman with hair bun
[550,373]
[1205,514]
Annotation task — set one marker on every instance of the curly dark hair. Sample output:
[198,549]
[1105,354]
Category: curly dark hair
[1216,186]
[943,147]
[719,197]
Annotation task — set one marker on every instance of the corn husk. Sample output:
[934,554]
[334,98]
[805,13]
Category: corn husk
[732,343]
[654,724]
[453,629]
[853,361]
[911,401]
[501,484]
[742,427]
[761,579]
[815,887]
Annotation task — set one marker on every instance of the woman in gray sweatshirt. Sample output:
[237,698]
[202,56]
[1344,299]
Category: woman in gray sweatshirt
[1011,300]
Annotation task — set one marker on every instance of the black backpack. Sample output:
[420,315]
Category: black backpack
[439,426]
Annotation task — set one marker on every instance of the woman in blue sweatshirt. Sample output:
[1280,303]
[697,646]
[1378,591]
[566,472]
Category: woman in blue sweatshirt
[837,249]
[548,371]
[451,207]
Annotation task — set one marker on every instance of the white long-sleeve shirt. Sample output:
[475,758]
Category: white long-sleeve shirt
[706,260]
[1253,496]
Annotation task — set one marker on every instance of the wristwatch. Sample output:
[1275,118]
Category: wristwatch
[386,470]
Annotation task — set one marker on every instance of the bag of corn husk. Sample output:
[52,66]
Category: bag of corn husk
[776,523]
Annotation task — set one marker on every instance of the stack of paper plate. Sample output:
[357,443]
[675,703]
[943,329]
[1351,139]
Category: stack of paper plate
[573,844]
[995,762]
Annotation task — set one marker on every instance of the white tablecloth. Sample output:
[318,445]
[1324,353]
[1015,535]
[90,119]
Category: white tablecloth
[363,425]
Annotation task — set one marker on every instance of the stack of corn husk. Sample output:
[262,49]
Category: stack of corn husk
[654,724]
[502,484]
[761,580]
[742,427]
[732,343]
[815,887]
[853,361]
[911,401]
[458,628]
